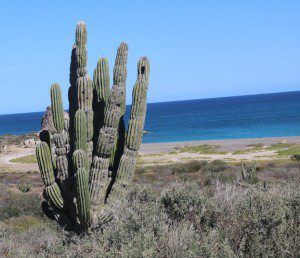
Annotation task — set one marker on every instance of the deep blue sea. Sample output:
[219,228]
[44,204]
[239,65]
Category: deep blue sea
[254,116]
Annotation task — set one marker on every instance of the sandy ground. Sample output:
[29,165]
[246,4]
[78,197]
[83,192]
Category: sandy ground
[162,153]
[229,145]
[165,153]
[184,157]
[17,152]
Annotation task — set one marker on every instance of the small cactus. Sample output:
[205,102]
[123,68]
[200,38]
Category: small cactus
[249,174]
[25,187]
[93,159]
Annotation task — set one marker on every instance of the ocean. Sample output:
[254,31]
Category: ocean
[253,116]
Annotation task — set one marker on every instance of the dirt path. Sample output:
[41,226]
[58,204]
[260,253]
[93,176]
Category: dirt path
[17,152]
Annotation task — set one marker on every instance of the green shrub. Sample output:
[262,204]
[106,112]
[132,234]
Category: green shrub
[25,187]
[189,167]
[223,220]
[183,202]
[19,205]
[218,166]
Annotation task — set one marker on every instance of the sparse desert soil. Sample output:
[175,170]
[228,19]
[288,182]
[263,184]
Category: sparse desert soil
[164,153]
[229,145]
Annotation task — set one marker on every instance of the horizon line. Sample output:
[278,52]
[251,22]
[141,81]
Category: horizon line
[232,96]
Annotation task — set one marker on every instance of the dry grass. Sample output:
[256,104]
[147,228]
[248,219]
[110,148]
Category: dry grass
[201,149]
[198,209]
[25,159]
[10,139]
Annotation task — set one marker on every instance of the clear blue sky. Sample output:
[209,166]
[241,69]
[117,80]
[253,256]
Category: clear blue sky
[197,48]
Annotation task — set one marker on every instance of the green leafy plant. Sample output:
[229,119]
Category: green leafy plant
[94,158]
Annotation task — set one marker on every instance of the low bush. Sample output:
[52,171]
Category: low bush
[25,187]
[183,220]
[21,204]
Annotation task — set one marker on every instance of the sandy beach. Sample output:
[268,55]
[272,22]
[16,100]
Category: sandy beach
[170,152]
[229,145]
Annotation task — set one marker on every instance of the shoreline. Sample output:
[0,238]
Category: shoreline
[169,152]
[224,144]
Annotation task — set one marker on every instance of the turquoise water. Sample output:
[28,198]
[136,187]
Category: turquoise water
[254,116]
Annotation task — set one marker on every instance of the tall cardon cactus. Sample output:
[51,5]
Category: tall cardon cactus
[89,163]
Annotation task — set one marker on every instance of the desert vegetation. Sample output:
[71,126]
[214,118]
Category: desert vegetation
[197,209]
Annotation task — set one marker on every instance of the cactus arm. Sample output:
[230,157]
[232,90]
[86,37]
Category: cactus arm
[44,160]
[57,107]
[120,73]
[84,85]
[72,95]
[54,194]
[101,84]
[99,177]
[81,51]
[83,198]
[61,138]
[135,131]
[79,159]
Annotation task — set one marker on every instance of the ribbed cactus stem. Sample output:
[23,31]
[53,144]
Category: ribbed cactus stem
[109,130]
[84,93]
[57,107]
[101,83]
[44,160]
[134,134]
[136,122]
[101,80]
[79,159]
[100,176]
[80,130]
[120,73]
[83,197]
[61,151]
[85,101]
[54,194]
[81,51]
[81,34]
[84,86]
[72,93]
[143,68]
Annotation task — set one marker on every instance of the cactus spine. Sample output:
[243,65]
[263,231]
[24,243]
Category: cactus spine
[93,160]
